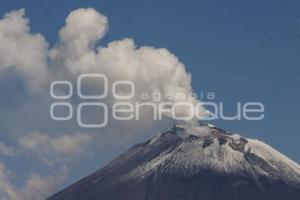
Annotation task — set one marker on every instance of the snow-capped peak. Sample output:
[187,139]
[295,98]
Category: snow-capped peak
[205,147]
[187,163]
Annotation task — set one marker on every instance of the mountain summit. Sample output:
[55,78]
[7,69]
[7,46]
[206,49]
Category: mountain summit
[189,162]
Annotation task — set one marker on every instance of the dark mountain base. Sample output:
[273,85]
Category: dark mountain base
[207,186]
[192,178]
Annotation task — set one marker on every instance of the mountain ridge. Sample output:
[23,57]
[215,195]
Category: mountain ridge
[192,162]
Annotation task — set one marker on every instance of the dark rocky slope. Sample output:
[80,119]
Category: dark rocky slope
[192,163]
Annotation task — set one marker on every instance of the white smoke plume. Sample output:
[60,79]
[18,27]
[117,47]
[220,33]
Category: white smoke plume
[79,50]
[152,70]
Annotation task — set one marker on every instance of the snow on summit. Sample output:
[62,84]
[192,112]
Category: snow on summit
[205,147]
[189,162]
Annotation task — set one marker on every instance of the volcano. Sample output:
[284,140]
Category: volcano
[189,162]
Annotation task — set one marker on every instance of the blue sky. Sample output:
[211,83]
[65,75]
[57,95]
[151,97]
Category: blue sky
[242,51]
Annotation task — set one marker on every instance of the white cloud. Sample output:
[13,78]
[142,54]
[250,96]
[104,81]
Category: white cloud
[6,150]
[150,69]
[7,190]
[35,188]
[24,51]
[84,27]
[62,147]
[39,188]
[28,54]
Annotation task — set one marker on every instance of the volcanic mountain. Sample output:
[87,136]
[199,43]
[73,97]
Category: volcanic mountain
[192,163]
